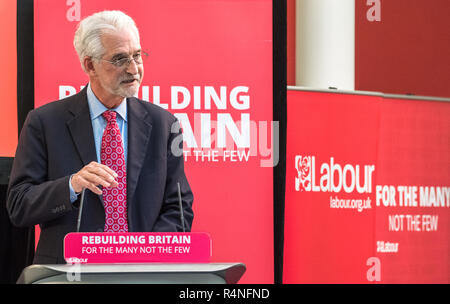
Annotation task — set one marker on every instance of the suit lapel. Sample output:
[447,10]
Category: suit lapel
[80,127]
[139,131]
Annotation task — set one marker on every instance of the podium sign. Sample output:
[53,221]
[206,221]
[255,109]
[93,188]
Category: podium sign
[174,247]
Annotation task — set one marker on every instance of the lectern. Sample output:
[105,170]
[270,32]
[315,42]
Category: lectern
[135,258]
[152,273]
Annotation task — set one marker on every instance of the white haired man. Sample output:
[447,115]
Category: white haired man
[102,140]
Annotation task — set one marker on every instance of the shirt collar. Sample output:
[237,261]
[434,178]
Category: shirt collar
[96,108]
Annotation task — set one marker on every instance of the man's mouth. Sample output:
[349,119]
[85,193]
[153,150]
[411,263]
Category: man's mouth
[129,80]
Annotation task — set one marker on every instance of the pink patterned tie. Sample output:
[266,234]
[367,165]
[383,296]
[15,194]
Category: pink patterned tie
[112,155]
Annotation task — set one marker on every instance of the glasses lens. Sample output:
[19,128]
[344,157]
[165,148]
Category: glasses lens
[121,62]
[125,61]
[137,58]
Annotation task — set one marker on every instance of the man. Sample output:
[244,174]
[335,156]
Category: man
[118,148]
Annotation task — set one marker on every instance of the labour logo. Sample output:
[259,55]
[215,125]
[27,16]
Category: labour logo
[333,176]
[303,179]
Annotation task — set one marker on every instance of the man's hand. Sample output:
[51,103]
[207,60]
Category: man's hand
[93,175]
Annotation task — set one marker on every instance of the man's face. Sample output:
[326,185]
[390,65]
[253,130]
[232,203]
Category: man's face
[116,82]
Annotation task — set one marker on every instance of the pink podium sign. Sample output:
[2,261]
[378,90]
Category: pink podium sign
[194,247]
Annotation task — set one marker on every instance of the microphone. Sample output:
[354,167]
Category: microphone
[80,210]
[181,206]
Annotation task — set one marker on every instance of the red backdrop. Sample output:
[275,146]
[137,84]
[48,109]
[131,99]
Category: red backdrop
[8,79]
[195,47]
[367,179]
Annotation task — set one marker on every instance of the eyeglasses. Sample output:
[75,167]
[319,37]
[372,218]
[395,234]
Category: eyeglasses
[125,61]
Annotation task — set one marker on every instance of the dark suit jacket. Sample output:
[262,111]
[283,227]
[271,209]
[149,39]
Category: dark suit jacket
[57,140]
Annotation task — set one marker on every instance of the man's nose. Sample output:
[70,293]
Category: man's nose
[132,67]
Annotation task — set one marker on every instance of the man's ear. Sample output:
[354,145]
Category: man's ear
[89,66]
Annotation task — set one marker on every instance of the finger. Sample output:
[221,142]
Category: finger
[114,184]
[88,185]
[95,189]
[108,169]
[102,171]
[97,179]
[112,177]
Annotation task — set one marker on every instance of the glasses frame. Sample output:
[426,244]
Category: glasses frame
[125,62]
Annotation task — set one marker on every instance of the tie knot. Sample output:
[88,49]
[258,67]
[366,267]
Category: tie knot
[109,115]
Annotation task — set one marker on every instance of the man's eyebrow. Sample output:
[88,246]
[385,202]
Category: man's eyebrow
[119,56]
[122,55]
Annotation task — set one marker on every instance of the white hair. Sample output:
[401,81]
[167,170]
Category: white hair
[87,40]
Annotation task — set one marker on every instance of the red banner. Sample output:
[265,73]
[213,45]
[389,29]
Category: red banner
[367,190]
[8,79]
[142,247]
[210,63]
